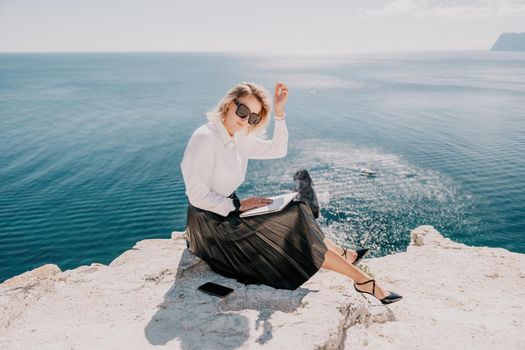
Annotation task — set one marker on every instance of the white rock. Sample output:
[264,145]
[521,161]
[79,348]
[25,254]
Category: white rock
[455,296]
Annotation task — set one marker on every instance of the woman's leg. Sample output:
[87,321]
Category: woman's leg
[350,254]
[337,263]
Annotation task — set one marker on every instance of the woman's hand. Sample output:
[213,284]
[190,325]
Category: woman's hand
[279,98]
[254,202]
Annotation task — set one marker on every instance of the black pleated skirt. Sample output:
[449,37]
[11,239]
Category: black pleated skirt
[281,249]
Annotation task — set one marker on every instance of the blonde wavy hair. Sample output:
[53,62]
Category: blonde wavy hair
[218,113]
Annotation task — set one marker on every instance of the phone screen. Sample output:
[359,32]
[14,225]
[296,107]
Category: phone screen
[215,289]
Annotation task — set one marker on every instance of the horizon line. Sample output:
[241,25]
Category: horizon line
[270,52]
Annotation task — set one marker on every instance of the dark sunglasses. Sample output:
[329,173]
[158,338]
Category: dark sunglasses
[243,111]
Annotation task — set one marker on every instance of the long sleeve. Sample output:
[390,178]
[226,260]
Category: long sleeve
[198,161]
[258,148]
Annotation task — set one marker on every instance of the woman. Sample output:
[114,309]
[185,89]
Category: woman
[282,249]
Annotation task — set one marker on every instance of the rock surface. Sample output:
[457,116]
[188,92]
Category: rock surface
[455,296]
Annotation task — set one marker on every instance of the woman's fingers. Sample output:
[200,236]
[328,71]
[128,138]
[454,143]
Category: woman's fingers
[255,202]
[264,200]
[277,89]
[280,88]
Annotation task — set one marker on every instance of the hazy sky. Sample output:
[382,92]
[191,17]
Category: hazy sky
[269,25]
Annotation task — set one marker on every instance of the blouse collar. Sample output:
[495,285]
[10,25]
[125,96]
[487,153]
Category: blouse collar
[223,133]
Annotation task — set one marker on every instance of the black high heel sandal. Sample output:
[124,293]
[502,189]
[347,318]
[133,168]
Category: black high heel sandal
[389,299]
[360,255]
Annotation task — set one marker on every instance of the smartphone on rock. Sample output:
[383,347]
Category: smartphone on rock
[215,289]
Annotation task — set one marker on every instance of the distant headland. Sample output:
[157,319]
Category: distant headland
[510,42]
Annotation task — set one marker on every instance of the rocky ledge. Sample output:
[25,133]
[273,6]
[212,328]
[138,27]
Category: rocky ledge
[455,296]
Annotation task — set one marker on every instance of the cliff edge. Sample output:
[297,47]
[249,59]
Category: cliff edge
[455,296]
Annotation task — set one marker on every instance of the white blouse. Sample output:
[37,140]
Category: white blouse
[214,163]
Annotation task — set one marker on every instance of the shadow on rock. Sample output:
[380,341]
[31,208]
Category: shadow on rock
[197,320]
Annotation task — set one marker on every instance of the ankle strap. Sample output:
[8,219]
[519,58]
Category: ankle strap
[372,280]
[373,285]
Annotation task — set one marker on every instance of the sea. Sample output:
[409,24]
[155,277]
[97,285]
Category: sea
[91,144]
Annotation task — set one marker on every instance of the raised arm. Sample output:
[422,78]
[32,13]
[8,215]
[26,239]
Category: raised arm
[258,148]
[198,162]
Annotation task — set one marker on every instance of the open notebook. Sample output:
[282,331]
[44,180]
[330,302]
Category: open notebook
[279,202]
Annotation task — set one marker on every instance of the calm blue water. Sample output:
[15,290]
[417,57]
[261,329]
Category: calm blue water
[91,145]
